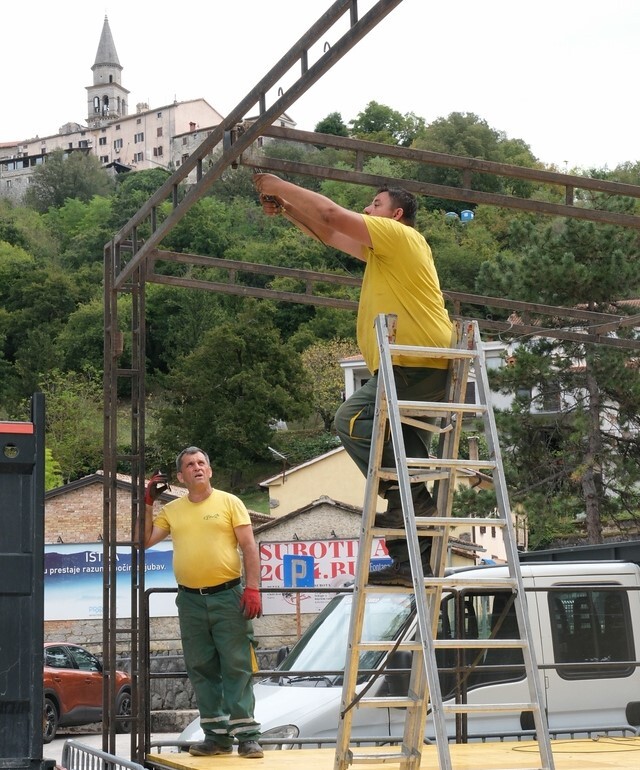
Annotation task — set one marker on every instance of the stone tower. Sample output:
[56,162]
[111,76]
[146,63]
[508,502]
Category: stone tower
[106,98]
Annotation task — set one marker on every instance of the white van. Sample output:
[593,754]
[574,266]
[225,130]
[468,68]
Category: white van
[585,621]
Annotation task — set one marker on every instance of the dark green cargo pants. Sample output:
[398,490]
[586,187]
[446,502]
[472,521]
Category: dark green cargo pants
[219,654]
[354,424]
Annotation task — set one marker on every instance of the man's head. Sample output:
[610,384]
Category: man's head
[394,203]
[193,466]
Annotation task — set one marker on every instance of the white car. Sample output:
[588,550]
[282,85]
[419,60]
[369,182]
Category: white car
[584,613]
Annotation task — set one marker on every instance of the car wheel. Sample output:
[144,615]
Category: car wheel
[123,709]
[50,719]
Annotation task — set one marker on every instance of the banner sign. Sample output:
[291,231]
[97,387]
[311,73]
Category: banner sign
[73,581]
[310,563]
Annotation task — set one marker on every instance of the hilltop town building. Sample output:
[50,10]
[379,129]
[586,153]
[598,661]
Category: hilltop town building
[162,137]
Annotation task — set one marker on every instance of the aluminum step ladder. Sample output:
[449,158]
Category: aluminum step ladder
[424,696]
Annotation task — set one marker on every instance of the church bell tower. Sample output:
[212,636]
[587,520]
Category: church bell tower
[106,98]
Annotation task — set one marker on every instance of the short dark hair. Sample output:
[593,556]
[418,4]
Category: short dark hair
[190,450]
[403,199]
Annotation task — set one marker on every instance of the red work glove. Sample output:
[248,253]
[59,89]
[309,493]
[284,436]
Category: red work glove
[250,603]
[156,485]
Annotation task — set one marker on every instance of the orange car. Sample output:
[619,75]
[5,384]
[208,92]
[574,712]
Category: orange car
[73,689]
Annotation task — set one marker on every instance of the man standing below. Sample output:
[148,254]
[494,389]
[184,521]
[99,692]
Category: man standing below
[215,612]
[400,277]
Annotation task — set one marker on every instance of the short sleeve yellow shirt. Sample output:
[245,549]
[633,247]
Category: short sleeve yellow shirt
[205,549]
[401,278]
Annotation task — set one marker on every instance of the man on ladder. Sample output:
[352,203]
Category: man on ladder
[400,278]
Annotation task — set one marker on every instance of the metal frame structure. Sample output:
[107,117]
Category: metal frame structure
[130,260]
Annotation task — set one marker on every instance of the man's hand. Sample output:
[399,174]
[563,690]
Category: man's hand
[271,204]
[250,603]
[156,485]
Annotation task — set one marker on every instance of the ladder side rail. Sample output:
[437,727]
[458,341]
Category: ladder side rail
[424,622]
[343,754]
[449,443]
[509,535]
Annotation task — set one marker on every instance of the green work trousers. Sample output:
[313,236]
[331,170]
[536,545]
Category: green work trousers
[219,654]
[354,425]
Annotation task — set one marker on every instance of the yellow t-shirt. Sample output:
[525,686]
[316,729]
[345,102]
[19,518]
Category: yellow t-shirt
[205,549]
[401,278]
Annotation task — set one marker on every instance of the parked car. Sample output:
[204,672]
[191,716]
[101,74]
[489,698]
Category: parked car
[73,690]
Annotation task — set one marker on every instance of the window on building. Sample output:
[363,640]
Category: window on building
[159,131]
[104,159]
[138,137]
[157,152]
[8,183]
[138,157]
[117,126]
[184,140]
[158,114]
[138,121]
[102,140]
[117,144]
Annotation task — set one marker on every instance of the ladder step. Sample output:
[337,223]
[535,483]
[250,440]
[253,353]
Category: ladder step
[436,408]
[429,522]
[399,702]
[448,462]
[431,583]
[425,352]
[473,644]
[456,644]
[487,708]
[396,757]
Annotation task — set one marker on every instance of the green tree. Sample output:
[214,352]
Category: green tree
[322,365]
[63,176]
[73,421]
[332,124]
[52,471]
[225,394]
[379,123]
[470,136]
[571,436]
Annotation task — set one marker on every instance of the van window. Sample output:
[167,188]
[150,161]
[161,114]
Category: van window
[324,645]
[592,626]
[475,615]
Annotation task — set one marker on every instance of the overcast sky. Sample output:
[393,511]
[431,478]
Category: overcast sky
[560,74]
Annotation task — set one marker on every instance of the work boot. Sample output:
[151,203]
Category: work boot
[208,748]
[250,750]
[393,518]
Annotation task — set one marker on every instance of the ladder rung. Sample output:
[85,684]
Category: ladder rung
[388,646]
[426,408]
[428,522]
[420,352]
[487,708]
[448,462]
[386,758]
[471,644]
[399,702]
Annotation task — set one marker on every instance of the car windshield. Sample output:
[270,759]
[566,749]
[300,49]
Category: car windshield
[323,646]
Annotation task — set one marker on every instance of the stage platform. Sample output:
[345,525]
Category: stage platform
[622,753]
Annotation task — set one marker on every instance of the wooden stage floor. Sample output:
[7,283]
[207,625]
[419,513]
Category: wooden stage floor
[584,754]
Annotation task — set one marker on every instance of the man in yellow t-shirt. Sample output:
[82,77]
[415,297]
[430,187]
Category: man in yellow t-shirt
[215,611]
[400,277]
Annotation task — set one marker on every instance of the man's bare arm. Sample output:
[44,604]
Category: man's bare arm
[148,534]
[250,555]
[315,214]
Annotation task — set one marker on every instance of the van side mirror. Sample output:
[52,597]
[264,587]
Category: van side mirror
[397,683]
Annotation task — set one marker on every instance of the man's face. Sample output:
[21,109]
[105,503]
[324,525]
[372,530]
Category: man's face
[382,206]
[195,470]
